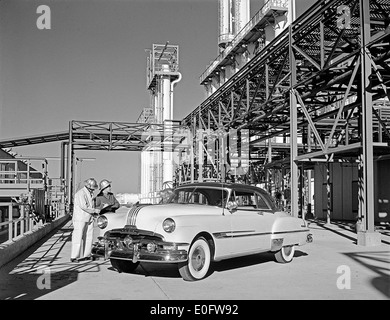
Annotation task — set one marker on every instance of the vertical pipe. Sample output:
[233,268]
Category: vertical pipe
[309,187]
[10,223]
[62,163]
[293,132]
[200,140]
[70,166]
[22,226]
[322,44]
[291,11]
[301,193]
[222,150]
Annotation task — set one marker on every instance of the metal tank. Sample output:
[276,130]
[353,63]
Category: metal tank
[226,32]
[241,14]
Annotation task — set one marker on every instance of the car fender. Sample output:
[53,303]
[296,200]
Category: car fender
[188,229]
[115,220]
[288,231]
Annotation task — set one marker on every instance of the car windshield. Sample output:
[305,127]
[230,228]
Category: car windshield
[199,195]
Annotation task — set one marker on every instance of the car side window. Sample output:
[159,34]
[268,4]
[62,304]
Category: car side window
[245,200]
[183,196]
[198,198]
[261,203]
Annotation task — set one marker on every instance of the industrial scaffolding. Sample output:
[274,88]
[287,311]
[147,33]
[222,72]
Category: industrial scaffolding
[321,86]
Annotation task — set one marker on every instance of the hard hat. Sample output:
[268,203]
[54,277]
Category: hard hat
[91,183]
[104,184]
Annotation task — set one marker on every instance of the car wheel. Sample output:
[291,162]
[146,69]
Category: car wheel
[285,254]
[124,265]
[199,259]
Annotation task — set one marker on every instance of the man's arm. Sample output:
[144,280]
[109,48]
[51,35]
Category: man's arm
[82,202]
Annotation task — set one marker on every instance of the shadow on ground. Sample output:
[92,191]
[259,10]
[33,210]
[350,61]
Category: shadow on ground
[378,262]
[41,269]
[170,270]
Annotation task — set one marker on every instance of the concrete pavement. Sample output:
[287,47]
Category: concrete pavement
[332,267]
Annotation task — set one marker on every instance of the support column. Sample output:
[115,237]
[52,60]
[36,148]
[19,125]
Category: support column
[367,235]
[328,193]
[293,134]
[62,169]
[200,145]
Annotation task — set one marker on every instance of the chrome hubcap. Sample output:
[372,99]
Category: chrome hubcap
[198,259]
[287,251]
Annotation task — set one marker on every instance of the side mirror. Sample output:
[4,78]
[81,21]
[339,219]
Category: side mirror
[232,206]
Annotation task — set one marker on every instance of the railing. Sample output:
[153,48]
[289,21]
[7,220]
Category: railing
[56,188]
[19,172]
[16,226]
[21,221]
[283,4]
[57,209]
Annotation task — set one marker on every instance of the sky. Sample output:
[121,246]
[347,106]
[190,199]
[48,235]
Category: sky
[91,65]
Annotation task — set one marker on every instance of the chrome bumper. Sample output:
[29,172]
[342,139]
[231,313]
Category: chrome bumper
[164,252]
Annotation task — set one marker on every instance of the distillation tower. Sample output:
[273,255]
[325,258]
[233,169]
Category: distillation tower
[237,42]
[157,165]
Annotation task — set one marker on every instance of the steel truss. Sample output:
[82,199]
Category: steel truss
[324,81]
[114,136]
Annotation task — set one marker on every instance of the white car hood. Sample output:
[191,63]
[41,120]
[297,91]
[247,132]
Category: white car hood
[148,217]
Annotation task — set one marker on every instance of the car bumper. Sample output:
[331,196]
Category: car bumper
[139,251]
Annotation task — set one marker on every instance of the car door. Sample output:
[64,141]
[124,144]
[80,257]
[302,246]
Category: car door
[251,223]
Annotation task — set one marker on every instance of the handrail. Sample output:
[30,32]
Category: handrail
[26,222]
[14,229]
[11,173]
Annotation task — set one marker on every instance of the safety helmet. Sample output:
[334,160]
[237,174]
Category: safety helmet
[91,183]
[104,184]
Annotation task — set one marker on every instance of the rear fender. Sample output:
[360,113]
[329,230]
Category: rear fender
[287,231]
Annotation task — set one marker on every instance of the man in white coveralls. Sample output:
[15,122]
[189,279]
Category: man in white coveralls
[83,213]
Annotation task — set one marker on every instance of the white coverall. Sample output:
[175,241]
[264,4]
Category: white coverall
[82,224]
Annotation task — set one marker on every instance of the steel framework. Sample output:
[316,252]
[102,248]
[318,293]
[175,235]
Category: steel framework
[324,81]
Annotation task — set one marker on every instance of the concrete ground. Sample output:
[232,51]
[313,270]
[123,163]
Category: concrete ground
[333,267]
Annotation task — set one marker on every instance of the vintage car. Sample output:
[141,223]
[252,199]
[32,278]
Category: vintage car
[201,223]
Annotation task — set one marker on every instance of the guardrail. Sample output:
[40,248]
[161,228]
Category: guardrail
[19,226]
[25,220]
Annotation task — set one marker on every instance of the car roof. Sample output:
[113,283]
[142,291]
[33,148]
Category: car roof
[236,186]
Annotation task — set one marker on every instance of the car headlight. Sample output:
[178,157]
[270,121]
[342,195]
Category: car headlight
[169,225]
[127,241]
[102,222]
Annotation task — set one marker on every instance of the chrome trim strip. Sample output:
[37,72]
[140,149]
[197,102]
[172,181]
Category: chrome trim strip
[134,213]
[295,231]
[154,261]
[231,234]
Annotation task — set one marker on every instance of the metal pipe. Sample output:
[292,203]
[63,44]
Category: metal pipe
[171,92]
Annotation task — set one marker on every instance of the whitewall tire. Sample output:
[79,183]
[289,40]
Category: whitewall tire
[199,259]
[285,254]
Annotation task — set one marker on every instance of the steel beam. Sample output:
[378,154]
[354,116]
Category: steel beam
[366,234]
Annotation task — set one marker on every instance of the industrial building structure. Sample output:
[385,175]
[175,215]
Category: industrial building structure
[157,165]
[320,86]
[298,105]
